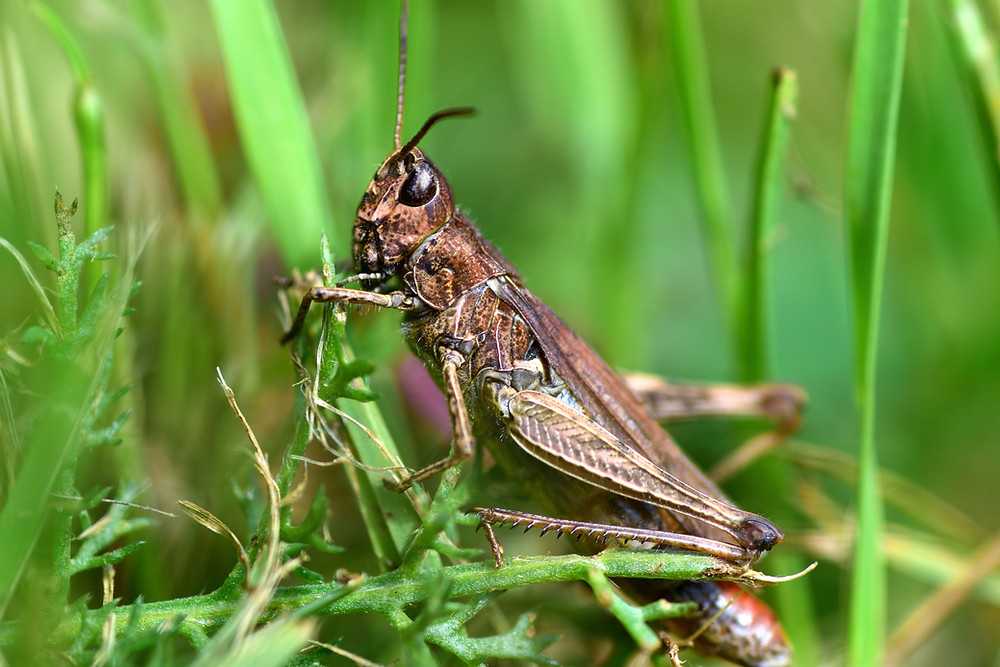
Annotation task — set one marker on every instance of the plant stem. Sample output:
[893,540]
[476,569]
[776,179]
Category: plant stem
[388,593]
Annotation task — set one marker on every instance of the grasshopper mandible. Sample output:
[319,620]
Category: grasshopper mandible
[516,376]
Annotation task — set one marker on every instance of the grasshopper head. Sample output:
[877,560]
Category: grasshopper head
[406,200]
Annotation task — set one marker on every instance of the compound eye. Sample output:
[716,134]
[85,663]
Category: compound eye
[420,187]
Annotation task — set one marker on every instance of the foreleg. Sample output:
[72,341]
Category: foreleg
[397,300]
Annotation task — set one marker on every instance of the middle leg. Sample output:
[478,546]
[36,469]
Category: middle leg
[463,441]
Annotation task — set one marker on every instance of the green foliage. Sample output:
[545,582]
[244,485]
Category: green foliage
[71,369]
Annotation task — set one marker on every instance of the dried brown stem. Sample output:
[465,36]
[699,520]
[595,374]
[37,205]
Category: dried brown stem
[932,612]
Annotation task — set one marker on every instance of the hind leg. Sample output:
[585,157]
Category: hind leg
[780,404]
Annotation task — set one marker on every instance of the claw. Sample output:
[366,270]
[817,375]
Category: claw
[394,485]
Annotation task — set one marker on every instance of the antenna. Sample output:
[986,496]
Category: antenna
[430,122]
[404,19]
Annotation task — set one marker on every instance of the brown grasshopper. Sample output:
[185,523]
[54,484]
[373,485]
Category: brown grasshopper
[517,377]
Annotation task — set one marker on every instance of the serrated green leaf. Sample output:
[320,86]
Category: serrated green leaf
[44,255]
[94,309]
[88,247]
[36,335]
[309,576]
[107,558]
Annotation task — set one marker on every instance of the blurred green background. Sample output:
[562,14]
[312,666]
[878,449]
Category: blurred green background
[579,167]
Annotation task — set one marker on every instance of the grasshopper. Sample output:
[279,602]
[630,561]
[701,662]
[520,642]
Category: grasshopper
[517,377]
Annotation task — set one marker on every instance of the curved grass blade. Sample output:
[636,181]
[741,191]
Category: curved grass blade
[186,135]
[694,86]
[22,159]
[878,78]
[575,68]
[273,125]
[47,310]
[975,48]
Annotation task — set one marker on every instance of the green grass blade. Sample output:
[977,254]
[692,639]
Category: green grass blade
[20,145]
[273,125]
[768,192]
[794,603]
[976,49]
[400,518]
[389,517]
[189,145]
[576,70]
[878,78]
[272,646]
[384,545]
[24,513]
[67,42]
[88,114]
[52,445]
[694,86]
[47,310]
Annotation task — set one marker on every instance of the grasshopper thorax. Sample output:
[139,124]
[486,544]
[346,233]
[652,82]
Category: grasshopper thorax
[406,200]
